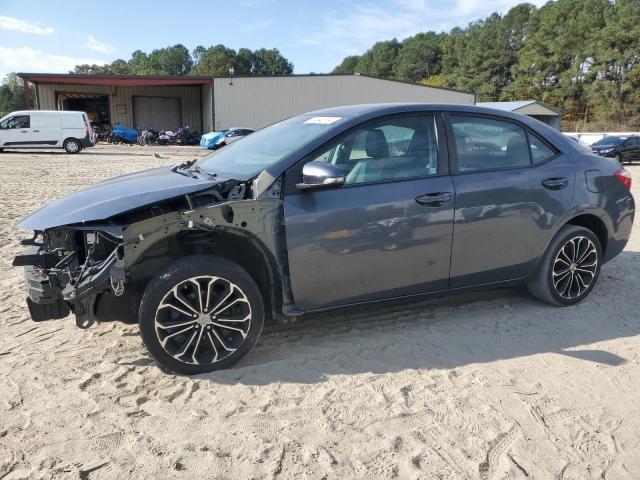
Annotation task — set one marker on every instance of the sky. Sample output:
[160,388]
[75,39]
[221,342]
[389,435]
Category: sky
[55,35]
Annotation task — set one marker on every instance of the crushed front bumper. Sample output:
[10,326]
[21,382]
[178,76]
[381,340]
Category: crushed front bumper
[43,304]
[57,284]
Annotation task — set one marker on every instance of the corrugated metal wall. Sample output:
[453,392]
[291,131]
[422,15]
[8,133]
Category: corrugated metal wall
[207,107]
[120,100]
[255,102]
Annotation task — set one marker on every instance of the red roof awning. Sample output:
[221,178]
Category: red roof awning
[113,80]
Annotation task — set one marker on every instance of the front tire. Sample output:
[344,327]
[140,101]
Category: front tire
[618,158]
[72,145]
[569,269]
[202,313]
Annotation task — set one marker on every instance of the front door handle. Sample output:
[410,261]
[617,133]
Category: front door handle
[555,183]
[434,199]
[24,131]
[36,131]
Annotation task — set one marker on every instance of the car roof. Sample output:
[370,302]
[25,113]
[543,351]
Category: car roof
[46,112]
[355,115]
[390,108]
[372,110]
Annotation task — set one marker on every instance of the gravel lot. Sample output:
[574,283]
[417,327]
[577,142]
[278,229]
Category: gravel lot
[484,385]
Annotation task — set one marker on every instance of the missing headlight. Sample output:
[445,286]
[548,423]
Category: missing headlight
[98,245]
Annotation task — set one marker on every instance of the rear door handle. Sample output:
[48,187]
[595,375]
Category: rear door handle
[555,183]
[24,131]
[36,131]
[434,199]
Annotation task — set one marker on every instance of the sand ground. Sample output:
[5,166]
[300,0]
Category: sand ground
[485,385]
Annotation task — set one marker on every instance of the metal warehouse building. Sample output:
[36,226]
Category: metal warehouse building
[531,108]
[206,103]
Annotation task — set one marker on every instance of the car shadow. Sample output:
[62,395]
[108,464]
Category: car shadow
[447,333]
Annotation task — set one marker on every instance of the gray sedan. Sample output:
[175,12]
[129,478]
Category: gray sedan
[332,208]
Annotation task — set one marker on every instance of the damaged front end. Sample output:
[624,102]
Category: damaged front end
[73,268]
[66,268]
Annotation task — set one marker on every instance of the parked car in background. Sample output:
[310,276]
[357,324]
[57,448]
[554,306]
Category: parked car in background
[215,140]
[332,208]
[46,129]
[623,149]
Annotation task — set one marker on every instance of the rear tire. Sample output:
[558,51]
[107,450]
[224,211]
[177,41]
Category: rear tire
[72,145]
[618,158]
[569,268]
[201,313]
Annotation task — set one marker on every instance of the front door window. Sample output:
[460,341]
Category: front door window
[19,121]
[403,147]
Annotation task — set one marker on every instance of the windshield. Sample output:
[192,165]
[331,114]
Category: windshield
[255,152]
[609,141]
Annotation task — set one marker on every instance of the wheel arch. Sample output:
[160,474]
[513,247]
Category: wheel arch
[592,219]
[595,224]
[239,246]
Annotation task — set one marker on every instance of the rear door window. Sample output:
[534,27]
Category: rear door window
[487,144]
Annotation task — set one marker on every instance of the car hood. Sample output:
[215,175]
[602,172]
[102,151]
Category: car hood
[117,195]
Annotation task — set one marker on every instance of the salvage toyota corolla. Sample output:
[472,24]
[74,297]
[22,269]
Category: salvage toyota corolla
[327,209]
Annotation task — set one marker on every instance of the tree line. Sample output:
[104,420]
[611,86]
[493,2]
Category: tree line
[581,57]
[213,61]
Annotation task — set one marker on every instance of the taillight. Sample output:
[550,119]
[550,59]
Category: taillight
[624,176]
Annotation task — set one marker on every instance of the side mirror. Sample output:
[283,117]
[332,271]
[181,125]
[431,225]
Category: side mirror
[320,175]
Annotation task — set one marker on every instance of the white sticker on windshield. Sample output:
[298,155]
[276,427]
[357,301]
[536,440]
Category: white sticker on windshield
[323,120]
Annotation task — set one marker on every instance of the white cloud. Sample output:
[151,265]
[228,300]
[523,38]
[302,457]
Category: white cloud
[10,23]
[26,59]
[255,26]
[97,46]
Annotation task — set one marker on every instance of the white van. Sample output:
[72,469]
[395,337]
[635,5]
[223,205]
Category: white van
[46,129]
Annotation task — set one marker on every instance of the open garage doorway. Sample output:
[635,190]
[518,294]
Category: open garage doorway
[95,106]
[161,113]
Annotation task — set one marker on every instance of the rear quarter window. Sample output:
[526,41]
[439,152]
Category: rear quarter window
[540,151]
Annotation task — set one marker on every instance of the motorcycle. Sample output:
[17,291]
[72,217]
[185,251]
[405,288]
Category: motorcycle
[148,137]
[179,136]
[193,138]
